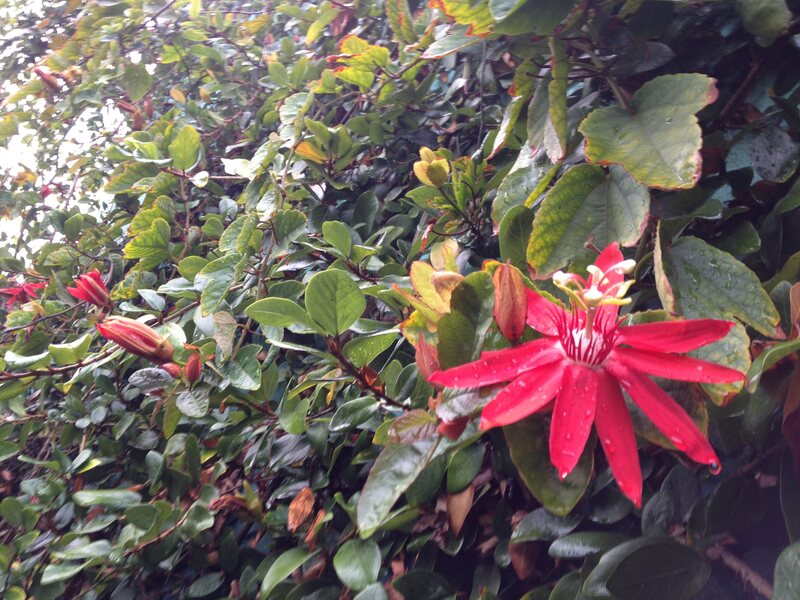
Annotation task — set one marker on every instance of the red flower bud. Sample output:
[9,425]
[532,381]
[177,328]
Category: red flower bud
[194,367]
[427,358]
[137,338]
[172,369]
[510,302]
[453,429]
[90,288]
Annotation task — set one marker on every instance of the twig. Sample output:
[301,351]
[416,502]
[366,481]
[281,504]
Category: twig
[741,568]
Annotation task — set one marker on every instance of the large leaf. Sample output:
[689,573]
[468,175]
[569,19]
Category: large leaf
[653,568]
[399,16]
[106,498]
[395,469]
[586,204]
[334,301]
[527,441]
[658,139]
[357,563]
[279,312]
[151,246]
[696,280]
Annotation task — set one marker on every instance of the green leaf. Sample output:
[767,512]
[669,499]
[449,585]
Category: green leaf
[528,443]
[475,15]
[334,301]
[787,574]
[421,583]
[131,178]
[190,266]
[374,591]
[395,469]
[654,568]
[216,279]
[501,9]
[237,236]
[510,117]
[286,564]
[697,280]
[767,358]
[400,20]
[352,413]
[19,361]
[136,81]
[541,524]
[337,235]
[766,19]
[244,371]
[55,573]
[658,139]
[205,585]
[515,232]
[555,131]
[70,352]
[193,403]
[357,563]
[185,148]
[8,450]
[363,350]
[462,331]
[586,205]
[581,544]
[108,498]
[279,312]
[452,42]
[151,246]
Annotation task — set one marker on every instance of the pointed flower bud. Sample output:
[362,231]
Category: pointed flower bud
[137,338]
[431,170]
[427,358]
[194,367]
[510,302]
[90,288]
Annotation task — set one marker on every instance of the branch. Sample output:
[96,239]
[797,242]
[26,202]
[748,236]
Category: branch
[741,568]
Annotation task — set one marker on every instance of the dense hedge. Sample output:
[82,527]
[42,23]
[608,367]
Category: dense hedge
[243,244]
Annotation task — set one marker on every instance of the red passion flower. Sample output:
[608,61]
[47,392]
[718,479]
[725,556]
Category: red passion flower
[90,288]
[22,293]
[584,359]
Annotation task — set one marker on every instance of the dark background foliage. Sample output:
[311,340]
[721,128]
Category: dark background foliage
[242,172]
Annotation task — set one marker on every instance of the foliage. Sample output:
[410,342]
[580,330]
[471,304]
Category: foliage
[303,200]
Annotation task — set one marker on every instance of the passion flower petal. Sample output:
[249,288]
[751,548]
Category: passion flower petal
[544,315]
[573,415]
[674,336]
[500,365]
[615,430]
[675,366]
[527,394]
[666,414]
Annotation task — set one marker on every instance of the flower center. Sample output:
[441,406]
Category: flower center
[587,350]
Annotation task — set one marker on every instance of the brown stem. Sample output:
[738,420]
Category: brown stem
[741,568]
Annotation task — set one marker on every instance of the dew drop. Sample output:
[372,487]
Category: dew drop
[569,436]
[678,442]
[588,413]
[564,413]
[563,475]
[699,368]
[715,468]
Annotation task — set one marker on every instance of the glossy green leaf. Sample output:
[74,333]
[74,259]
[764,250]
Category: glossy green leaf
[279,312]
[527,442]
[185,148]
[284,565]
[462,331]
[106,498]
[357,563]
[334,301]
[656,568]
[136,80]
[215,279]
[787,574]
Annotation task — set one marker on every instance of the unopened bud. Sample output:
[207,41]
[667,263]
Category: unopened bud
[137,338]
[194,367]
[510,302]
